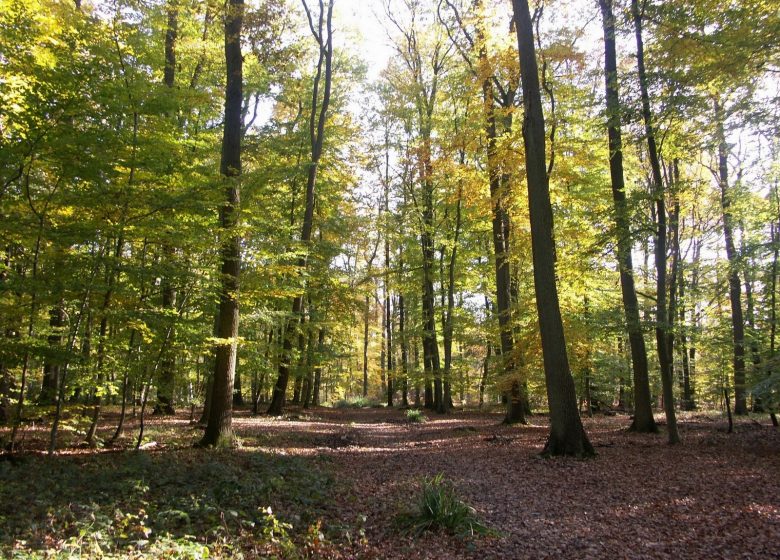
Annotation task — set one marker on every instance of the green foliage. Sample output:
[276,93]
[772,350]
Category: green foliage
[185,504]
[415,415]
[768,391]
[439,508]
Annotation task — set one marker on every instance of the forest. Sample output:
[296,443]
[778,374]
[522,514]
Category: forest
[389,278]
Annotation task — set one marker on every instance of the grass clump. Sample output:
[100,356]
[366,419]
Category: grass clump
[440,508]
[415,415]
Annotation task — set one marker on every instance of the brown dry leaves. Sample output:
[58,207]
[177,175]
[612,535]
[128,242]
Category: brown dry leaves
[714,496]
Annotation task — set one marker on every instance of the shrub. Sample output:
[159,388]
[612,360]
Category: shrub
[440,508]
[415,415]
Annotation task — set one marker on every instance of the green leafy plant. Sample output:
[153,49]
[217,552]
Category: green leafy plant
[440,508]
[415,415]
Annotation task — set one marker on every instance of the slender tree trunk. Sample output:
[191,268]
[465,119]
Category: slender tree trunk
[72,336]
[219,430]
[662,318]
[735,291]
[112,274]
[773,297]
[687,399]
[366,313]
[315,399]
[323,34]
[166,383]
[643,411]
[404,346]
[567,436]
[501,231]
[448,322]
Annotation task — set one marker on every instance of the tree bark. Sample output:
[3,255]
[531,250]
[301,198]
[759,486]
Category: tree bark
[323,35]
[643,413]
[567,436]
[166,382]
[51,368]
[662,322]
[735,290]
[219,430]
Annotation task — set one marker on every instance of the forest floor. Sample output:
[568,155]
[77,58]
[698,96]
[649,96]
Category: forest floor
[332,483]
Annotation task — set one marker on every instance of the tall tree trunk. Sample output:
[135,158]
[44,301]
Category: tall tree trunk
[662,318]
[404,345]
[315,399]
[219,429]
[643,411]
[323,35]
[735,291]
[685,385]
[448,322]
[773,296]
[501,227]
[567,436]
[366,313]
[166,381]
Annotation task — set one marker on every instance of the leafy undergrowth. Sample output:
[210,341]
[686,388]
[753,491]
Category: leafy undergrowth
[176,504]
[337,480]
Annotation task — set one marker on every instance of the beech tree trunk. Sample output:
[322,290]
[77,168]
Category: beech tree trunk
[166,381]
[662,322]
[219,429]
[567,436]
[643,411]
[735,289]
[323,35]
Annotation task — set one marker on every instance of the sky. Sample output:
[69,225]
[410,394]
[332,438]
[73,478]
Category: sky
[357,21]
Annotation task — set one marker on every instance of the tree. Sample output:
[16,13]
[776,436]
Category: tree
[323,36]
[219,427]
[663,328]
[567,436]
[643,413]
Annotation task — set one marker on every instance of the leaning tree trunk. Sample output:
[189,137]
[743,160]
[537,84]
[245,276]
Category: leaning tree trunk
[643,411]
[662,323]
[219,429]
[567,436]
